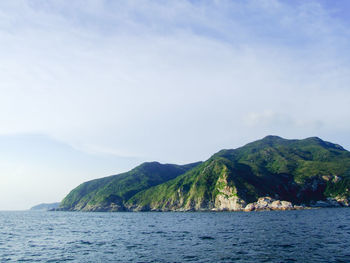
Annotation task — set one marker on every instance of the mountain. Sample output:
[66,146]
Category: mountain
[110,193]
[45,207]
[269,173]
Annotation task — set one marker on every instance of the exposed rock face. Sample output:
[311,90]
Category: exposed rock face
[267,203]
[227,198]
[332,178]
[232,203]
[281,205]
[343,201]
[250,207]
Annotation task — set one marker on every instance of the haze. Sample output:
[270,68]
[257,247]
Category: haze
[94,88]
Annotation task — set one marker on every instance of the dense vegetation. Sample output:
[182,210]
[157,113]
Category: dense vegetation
[300,171]
[100,193]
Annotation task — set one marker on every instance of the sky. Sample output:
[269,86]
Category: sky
[95,87]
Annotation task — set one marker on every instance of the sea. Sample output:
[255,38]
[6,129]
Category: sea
[317,235]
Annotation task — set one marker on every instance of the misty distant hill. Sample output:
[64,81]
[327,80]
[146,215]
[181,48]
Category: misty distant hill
[45,207]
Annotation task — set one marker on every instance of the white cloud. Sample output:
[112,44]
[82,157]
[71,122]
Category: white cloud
[171,81]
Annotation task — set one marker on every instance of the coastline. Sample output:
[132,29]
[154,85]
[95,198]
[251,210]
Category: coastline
[262,204]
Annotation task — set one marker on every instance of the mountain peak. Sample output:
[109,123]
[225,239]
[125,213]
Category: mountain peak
[272,138]
[314,138]
[324,143]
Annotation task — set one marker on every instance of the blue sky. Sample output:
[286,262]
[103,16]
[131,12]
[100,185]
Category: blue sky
[92,88]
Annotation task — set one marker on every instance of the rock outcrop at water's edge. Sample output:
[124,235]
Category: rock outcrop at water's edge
[267,203]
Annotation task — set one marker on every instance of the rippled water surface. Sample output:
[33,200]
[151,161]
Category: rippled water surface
[290,236]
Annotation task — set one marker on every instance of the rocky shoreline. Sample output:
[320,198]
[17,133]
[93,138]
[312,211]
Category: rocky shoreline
[270,204]
[262,204]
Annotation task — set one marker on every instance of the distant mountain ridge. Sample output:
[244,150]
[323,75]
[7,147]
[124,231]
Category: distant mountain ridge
[271,173]
[45,206]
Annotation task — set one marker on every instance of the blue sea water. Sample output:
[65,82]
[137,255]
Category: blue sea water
[321,235]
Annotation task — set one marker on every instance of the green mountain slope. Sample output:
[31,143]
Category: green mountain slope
[110,193]
[298,171]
